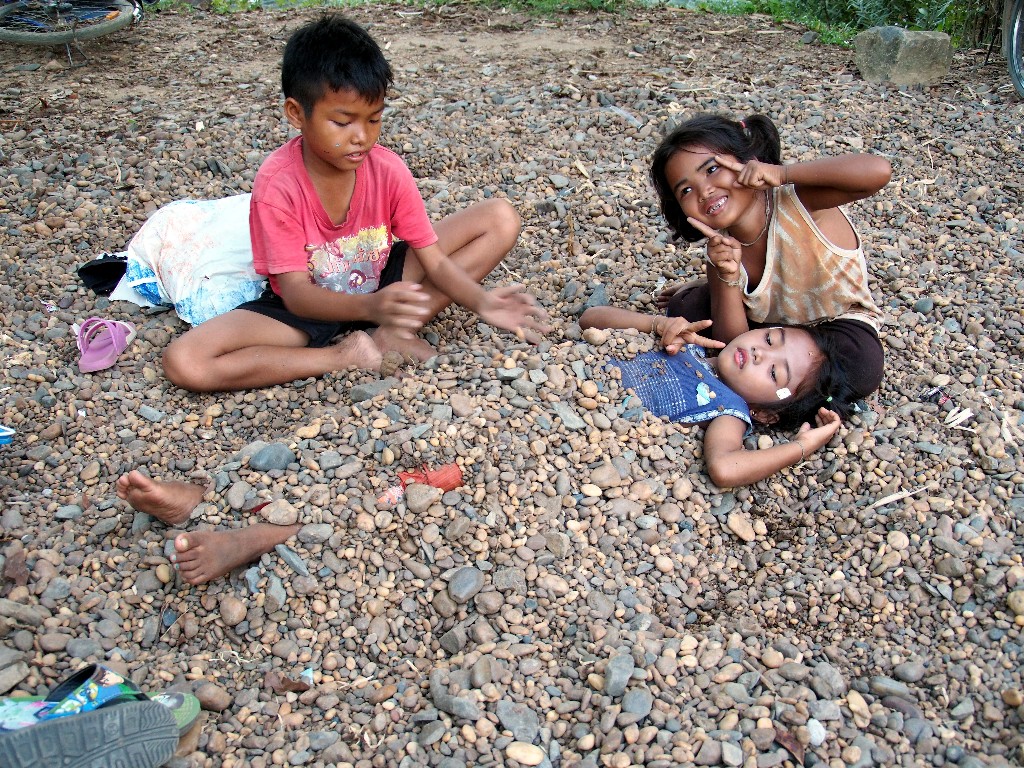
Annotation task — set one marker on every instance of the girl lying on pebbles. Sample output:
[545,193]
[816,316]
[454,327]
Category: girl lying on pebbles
[785,376]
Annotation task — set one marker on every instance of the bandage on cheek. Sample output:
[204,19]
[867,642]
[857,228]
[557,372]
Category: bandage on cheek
[783,393]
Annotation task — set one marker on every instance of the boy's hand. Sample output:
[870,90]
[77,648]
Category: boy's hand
[676,332]
[724,252]
[403,307]
[754,174]
[813,438]
[512,308]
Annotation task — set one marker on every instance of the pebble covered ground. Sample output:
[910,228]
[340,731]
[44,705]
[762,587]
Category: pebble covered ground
[588,597]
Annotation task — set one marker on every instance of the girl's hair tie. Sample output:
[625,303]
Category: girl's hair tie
[743,124]
[828,399]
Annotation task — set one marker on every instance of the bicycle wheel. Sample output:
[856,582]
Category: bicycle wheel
[55,22]
[1013,41]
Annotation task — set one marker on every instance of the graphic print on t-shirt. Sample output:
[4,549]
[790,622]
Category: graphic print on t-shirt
[350,264]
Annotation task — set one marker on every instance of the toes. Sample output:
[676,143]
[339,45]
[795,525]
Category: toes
[181,543]
[138,480]
[195,577]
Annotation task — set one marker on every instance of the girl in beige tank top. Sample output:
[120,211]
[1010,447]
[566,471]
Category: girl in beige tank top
[780,249]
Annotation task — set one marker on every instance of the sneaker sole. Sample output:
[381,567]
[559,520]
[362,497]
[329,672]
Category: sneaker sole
[132,735]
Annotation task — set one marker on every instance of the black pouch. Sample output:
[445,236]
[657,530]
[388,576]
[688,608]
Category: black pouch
[102,275]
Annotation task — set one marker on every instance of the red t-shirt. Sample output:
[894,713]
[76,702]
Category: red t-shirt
[291,231]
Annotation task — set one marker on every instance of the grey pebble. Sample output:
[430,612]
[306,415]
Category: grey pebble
[431,733]
[617,674]
[910,671]
[292,559]
[465,583]
[638,701]
[273,456]
[518,718]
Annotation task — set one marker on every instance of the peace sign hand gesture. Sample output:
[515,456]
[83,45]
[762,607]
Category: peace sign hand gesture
[677,332]
[754,174]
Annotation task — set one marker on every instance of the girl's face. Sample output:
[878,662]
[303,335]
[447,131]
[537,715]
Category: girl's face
[705,190]
[760,365]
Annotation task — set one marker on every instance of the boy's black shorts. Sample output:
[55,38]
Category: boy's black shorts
[321,332]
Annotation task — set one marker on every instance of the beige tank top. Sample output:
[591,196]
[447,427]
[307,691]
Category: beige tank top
[807,279]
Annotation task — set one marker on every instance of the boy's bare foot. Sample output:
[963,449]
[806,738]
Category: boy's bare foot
[357,350]
[203,556]
[170,502]
[415,348]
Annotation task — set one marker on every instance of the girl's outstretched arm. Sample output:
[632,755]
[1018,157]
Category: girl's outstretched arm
[674,332]
[615,317]
[820,184]
[730,464]
[829,182]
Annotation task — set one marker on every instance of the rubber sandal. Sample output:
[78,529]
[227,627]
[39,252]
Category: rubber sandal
[90,688]
[102,275]
[133,734]
[184,708]
[18,712]
[101,342]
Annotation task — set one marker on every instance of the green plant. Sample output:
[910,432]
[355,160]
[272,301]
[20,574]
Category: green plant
[968,22]
[871,13]
[933,15]
[173,5]
[551,7]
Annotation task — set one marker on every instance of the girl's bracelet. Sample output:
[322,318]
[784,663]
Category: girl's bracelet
[654,326]
[731,283]
[803,456]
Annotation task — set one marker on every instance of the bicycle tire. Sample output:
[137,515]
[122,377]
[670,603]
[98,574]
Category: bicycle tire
[1013,42]
[27,22]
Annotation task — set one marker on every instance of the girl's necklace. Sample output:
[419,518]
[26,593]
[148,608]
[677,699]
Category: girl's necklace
[767,218]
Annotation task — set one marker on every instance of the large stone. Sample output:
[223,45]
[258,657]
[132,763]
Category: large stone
[901,57]
[420,497]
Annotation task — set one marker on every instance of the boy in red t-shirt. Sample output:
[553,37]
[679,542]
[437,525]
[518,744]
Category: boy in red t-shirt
[341,231]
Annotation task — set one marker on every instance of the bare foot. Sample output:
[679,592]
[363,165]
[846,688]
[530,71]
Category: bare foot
[203,556]
[170,502]
[415,348]
[357,350]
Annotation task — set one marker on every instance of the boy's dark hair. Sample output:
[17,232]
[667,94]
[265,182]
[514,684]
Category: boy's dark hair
[333,53]
[755,137]
[830,388]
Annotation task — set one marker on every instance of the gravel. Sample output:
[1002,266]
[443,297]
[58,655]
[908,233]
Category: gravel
[588,597]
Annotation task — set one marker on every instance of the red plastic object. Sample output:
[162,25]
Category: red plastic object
[447,478]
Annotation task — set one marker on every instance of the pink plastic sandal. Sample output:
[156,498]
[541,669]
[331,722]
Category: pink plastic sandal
[101,342]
